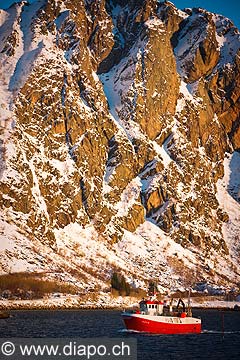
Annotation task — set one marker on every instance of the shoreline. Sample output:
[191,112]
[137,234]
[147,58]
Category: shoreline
[9,309]
[109,303]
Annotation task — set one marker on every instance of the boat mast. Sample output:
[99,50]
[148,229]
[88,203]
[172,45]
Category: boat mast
[189,310]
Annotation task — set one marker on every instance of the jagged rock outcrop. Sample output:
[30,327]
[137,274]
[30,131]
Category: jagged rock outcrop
[117,114]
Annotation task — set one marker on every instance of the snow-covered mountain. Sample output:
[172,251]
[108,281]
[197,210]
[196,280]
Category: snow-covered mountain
[120,142]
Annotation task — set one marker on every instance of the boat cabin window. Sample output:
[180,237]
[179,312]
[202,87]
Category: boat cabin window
[152,306]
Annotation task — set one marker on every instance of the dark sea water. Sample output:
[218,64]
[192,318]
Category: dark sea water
[211,344]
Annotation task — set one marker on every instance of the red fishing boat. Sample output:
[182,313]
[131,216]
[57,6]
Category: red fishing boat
[158,317]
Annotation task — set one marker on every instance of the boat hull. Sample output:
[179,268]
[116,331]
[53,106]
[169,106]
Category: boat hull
[161,324]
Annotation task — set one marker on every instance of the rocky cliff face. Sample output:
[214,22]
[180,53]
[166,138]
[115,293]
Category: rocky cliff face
[120,141]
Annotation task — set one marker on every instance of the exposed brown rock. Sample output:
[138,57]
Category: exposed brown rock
[79,142]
